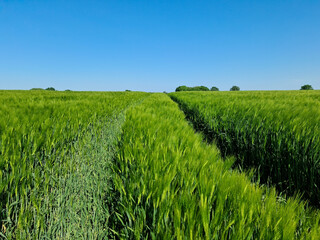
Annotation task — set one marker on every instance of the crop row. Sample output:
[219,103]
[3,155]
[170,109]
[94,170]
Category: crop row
[49,141]
[276,132]
[172,185]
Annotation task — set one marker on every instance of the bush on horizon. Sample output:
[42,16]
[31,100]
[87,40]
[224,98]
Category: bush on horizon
[196,88]
[306,87]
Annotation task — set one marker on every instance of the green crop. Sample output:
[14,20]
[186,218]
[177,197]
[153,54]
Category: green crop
[49,143]
[276,132]
[125,165]
[172,185]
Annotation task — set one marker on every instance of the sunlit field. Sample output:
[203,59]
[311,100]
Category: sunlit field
[133,165]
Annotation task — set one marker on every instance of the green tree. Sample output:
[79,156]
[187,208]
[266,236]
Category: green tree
[182,88]
[50,89]
[306,87]
[199,88]
[214,89]
[235,88]
[196,88]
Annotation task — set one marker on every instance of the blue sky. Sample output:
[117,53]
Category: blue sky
[148,45]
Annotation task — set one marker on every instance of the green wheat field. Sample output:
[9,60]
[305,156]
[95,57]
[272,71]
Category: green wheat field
[183,165]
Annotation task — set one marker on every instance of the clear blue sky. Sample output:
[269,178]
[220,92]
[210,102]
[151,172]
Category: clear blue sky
[151,45]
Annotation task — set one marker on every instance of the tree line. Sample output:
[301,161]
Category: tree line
[233,88]
[203,88]
[49,89]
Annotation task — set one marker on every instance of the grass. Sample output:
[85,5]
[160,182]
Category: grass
[127,165]
[41,171]
[276,132]
[81,204]
[172,185]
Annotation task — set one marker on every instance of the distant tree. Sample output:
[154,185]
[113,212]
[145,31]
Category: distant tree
[182,88]
[214,89]
[199,88]
[50,89]
[196,88]
[306,87]
[36,89]
[235,88]
[128,90]
[67,90]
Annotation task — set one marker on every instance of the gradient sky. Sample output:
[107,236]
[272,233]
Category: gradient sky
[148,45]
